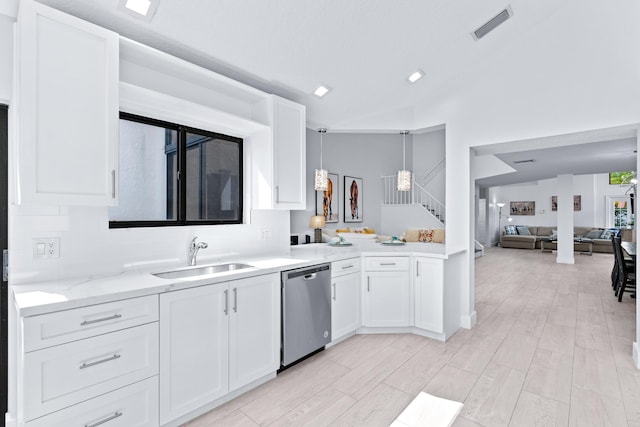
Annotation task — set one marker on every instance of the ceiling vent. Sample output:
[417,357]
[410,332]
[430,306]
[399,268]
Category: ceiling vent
[493,23]
[515,162]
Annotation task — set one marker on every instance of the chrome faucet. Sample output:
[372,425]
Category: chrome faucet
[193,250]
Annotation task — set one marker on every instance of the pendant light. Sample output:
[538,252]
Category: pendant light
[404,176]
[321,177]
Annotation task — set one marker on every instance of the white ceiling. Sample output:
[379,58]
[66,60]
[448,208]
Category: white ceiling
[364,50]
[578,159]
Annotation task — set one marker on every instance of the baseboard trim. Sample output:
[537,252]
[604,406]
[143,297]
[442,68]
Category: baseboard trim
[469,321]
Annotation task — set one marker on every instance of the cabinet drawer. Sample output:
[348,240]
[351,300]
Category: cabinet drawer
[60,376]
[387,263]
[346,266]
[132,406]
[69,325]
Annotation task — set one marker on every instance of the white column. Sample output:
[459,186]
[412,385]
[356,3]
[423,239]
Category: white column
[565,220]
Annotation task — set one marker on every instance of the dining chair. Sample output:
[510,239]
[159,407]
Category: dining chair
[626,280]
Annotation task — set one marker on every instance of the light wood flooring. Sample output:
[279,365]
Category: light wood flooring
[552,347]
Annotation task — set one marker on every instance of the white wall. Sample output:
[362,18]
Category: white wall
[428,150]
[593,190]
[367,156]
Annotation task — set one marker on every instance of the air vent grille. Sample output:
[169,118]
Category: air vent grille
[493,23]
[515,162]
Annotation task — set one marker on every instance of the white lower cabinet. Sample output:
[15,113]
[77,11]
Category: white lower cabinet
[194,335]
[386,292]
[429,303]
[215,339]
[132,406]
[345,297]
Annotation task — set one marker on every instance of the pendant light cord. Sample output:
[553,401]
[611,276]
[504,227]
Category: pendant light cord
[321,132]
[403,151]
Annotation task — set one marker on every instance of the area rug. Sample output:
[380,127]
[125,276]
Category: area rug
[428,410]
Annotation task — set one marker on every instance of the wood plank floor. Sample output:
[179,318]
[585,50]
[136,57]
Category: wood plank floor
[552,347]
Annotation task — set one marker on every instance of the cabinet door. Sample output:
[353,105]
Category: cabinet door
[429,299]
[254,330]
[387,299]
[289,168]
[68,112]
[194,328]
[345,305]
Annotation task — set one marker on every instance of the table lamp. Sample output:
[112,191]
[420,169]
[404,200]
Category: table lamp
[317,222]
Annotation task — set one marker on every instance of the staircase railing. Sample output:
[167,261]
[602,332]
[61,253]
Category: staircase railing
[435,171]
[417,195]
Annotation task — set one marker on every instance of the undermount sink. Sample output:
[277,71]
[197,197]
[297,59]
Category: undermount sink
[201,271]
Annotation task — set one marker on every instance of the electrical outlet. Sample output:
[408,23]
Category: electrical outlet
[265,234]
[45,248]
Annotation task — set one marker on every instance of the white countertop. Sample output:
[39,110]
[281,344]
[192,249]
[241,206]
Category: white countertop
[45,297]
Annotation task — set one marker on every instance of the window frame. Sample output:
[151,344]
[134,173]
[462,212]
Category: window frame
[181,152]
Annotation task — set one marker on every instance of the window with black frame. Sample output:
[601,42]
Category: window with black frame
[171,174]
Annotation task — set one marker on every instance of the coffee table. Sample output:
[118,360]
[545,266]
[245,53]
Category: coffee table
[550,244]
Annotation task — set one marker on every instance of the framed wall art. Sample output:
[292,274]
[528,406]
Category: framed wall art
[522,208]
[353,189]
[327,201]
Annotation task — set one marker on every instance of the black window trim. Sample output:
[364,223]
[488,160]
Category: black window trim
[182,183]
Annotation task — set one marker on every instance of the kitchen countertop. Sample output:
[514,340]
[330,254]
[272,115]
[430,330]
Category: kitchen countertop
[45,297]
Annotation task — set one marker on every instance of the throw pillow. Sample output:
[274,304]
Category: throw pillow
[411,235]
[343,230]
[438,235]
[425,236]
[510,230]
[523,230]
[606,234]
[593,234]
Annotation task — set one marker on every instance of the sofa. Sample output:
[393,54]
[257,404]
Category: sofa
[536,234]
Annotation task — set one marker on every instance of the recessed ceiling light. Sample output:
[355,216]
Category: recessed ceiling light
[138,6]
[415,76]
[321,91]
[140,9]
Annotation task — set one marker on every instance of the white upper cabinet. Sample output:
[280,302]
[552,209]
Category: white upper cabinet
[67,80]
[289,143]
[279,164]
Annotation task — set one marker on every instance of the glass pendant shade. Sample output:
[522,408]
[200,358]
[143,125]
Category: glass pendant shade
[321,180]
[404,180]
[404,176]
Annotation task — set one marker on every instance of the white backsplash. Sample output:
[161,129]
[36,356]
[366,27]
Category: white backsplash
[88,247]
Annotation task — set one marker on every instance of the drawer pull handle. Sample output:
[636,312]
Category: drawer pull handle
[106,420]
[226,301]
[113,184]
[334,291]
[98,362]
[387,263]
[235,300]
[344,267]
[104,319]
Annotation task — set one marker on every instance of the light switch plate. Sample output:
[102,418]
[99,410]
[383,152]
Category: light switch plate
[44,248]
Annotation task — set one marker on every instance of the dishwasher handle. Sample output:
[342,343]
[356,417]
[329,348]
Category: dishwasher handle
[311,276]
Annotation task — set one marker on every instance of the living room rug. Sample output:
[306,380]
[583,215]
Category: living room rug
[428,410]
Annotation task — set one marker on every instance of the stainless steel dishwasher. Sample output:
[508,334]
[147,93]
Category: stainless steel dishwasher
[306,311]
